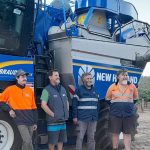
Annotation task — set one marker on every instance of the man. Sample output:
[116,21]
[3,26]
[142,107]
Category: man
[54,103]
[85,112]
[19,101]
[122,96]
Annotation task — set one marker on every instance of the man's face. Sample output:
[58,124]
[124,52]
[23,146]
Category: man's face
[22,80]
[123,77]
[55,79]
[87,81]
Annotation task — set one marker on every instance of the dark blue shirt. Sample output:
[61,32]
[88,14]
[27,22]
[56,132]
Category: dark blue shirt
[85,104]
[122,109]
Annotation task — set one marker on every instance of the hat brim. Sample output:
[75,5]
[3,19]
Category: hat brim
[26,73]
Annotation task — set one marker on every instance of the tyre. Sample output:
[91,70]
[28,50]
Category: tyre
[103,136]
[10,138]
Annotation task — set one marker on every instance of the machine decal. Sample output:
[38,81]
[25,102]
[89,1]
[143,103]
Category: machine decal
[85,69]
[103,75]
[10,64]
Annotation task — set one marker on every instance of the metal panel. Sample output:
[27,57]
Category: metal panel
[109,49]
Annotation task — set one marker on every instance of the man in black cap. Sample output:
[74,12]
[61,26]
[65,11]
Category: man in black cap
[19,101]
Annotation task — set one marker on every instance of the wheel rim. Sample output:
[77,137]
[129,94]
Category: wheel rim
[6,135]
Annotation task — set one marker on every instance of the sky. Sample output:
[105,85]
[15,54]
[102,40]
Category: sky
[143,9]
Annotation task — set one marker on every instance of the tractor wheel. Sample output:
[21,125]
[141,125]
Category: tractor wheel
[10,138]
[103,136]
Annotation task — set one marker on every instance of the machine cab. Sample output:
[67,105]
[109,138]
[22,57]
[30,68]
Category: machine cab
[16,26]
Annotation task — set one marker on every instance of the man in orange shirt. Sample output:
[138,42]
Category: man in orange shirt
[122,96]
[19,101]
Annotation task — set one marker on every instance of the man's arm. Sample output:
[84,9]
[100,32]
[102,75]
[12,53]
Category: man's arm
[135,96]
[108,96]
[4,101]
[135,93]
[34,109]
[74,106]
[46,108]
[4,97]
[44,100]
[4,106]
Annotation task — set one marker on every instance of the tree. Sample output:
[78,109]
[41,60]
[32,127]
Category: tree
[144,88]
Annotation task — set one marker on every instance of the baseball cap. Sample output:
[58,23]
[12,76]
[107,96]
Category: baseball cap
[21,72]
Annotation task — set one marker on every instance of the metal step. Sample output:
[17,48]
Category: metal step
[43,62]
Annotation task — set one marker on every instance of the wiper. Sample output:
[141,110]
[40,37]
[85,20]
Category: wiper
[4,49]
[20,6]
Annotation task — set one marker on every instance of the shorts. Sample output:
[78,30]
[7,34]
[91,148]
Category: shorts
[55,137]
[122,124]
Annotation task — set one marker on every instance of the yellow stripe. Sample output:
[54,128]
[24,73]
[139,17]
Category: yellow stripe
[10,63]
[106,68]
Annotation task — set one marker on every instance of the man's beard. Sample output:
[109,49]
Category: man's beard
[89,84]
[124,82]
[57,81]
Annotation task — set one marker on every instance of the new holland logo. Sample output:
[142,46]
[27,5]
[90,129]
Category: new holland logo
[85,69]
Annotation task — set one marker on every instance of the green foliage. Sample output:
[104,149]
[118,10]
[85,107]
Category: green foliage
[144,88]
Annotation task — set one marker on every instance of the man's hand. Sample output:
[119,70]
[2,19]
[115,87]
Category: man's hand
[52,114]
[75,120]
[12,114]
[47,109]
[136,106]
[34,127]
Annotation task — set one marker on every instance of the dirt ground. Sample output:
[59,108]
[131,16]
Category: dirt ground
[142,139]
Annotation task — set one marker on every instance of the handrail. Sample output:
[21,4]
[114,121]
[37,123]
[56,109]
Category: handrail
[131,22]
[145,28]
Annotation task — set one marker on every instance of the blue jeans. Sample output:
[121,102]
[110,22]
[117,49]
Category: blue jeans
[90,127]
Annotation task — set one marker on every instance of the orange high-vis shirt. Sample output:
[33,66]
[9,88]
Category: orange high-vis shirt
[19,99]
[130,93]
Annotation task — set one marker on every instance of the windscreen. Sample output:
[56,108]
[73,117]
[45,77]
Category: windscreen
[12,23]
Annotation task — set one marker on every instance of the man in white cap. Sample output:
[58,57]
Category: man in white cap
[19,101]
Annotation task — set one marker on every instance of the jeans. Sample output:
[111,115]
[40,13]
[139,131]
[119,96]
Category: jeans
[26,133]
[90,127]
